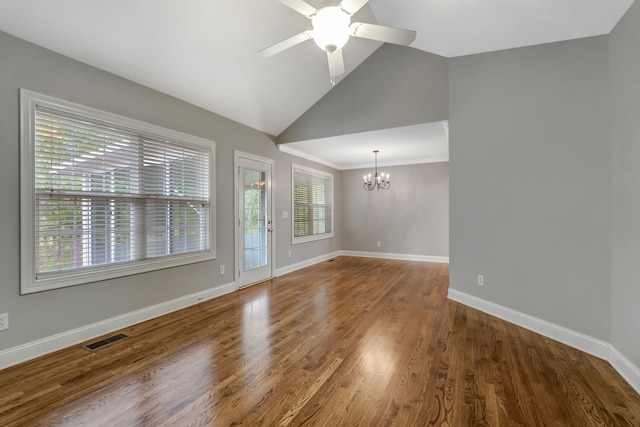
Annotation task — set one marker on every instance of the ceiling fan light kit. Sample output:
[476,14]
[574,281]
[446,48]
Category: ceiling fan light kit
[332,28]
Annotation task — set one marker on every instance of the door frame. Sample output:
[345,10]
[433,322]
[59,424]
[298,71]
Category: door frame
[237,155]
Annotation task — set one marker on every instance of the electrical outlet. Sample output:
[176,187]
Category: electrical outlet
[480,280]
[289,254]
[378,243]
[222,269]
[4,321]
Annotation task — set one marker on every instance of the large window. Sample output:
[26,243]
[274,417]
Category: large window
[103,196]
[312,204]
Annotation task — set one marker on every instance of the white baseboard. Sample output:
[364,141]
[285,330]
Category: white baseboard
[405,257]
[590,345]
[31,350]
[309,262]
[625,368]
[574,339]
[306,263]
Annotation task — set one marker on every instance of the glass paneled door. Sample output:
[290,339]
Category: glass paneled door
[254,221]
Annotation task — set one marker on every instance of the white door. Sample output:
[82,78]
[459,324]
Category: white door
[254,234]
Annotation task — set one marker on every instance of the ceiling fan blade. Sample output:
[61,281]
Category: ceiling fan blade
[352,6]
[300,6]
[382,33]
[285,44]
[336,63]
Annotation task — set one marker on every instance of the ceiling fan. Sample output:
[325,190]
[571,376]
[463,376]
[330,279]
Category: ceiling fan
[332,28]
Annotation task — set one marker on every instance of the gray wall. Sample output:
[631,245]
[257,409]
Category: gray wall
[35,316]
[625,88]
[411,218]
[530,181]
[395,86]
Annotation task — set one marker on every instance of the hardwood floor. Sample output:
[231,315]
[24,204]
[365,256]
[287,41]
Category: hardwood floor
[349,342]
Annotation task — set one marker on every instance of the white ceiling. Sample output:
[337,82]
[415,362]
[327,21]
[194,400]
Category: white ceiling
[428,140]
[204,51]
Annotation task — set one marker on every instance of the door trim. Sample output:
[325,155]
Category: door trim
[237,155]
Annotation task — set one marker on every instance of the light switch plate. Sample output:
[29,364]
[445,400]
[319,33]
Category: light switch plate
[4,321]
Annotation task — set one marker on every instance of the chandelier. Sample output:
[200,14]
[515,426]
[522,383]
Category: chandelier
[377,182]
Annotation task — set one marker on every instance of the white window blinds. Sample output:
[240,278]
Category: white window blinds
[312,204]
[106,195]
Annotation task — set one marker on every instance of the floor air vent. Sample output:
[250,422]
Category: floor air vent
[96,345]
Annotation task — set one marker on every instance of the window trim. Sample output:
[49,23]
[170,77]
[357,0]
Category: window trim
[320,174]
[28,281]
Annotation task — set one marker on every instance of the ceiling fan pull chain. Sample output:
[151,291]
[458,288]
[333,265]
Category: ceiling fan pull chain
[332,73]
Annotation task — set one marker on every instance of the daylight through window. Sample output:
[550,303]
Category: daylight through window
[110,198]
[312,204]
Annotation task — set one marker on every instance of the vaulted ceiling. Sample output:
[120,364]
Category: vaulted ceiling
[204,51]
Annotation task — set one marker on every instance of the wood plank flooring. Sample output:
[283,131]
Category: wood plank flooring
[350,342]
